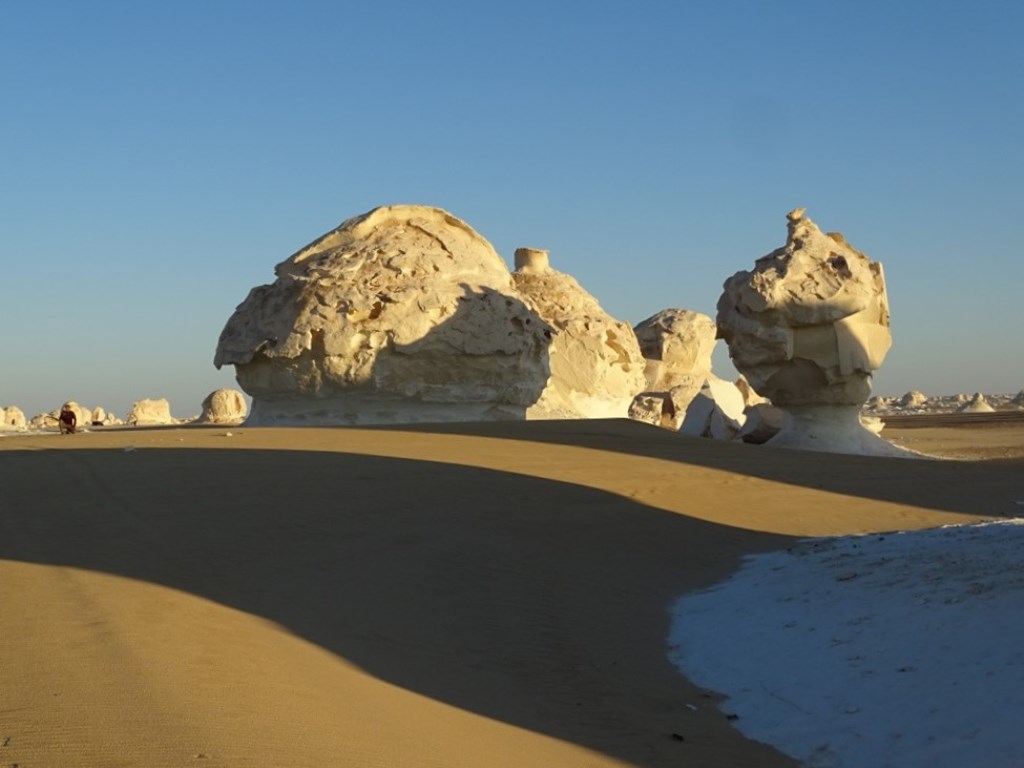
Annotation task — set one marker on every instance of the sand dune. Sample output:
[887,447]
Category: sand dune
[466,595]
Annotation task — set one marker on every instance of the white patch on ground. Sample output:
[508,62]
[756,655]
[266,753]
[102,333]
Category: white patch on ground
[901,649]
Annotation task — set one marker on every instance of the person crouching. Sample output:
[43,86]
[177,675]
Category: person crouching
[67,421]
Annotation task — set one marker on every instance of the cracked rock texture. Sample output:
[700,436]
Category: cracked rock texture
[596,364]
[399,315]
[677,345]
[810,323]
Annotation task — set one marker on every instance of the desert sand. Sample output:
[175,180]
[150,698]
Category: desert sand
[457,595]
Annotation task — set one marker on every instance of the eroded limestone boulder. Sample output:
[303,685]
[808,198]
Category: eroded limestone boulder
[677,345]
[224,406]
[402,314]
[150,412]
[12,418]
[913,399]
[596,364]
[807,327]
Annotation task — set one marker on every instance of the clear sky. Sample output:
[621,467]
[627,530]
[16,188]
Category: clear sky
[158,159]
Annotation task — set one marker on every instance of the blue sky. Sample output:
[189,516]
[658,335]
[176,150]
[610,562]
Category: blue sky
[158,159]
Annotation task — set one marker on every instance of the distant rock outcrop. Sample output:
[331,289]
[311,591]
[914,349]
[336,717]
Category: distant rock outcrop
[12,418]
[976,404]
[913,399]
[807,327]
[596,364]
[150,413]
[224,406]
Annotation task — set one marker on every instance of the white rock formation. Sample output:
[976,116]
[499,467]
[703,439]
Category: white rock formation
[677,345]
[12,418]
[976,404]
[716,411]
[224,406]
[750,396]
[43,420]
[913,399]
[807,327]
[402,314]
[150,413]
[596,364]
[763,422]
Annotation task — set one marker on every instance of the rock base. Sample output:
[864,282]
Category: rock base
[833,429]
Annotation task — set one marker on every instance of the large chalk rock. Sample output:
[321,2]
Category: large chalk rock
[402,314]
[807,327]
[596,364]
[12,418]
[150,412]
[224,406]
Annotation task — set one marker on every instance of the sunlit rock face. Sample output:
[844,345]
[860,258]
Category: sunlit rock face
[12,417]
[807,327]
[677,346]
[681,391]
[400,315]
[596,364]
[151,412]
[223,406]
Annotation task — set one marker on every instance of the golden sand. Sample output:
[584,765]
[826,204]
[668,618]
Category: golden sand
[460,595]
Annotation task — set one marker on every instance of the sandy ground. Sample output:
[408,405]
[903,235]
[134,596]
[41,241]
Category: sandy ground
[466,595]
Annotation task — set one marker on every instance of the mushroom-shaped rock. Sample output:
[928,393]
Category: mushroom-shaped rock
[402,314]
[596,365]
[807,327]
[224,406]
[977,404]
[150,413]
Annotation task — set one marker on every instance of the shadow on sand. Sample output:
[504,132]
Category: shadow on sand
[537,603]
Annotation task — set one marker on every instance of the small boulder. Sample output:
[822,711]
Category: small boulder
[224,406]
